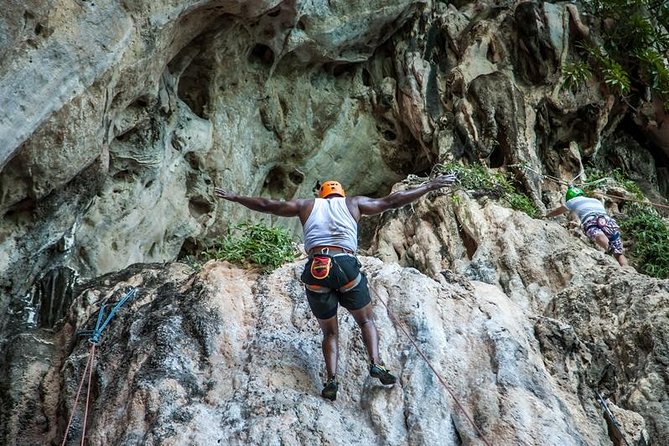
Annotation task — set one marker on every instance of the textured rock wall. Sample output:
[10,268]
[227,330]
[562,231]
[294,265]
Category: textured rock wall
[224,356]
[112,157]
[117,119]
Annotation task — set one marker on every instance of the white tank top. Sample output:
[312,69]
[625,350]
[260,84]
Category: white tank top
[585,206]
[331,224]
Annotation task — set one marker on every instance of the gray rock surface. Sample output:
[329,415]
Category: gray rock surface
[117,120]
[226,356]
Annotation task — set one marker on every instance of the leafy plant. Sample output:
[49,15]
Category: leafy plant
[521,202]
[635,43]
[253,245]
[576,74]
[481,181]
[650,239]
[615,177]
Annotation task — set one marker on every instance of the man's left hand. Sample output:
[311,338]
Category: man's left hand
[444,180]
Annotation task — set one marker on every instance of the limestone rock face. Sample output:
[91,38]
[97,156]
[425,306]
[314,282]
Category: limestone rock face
[230,357]
[118,119]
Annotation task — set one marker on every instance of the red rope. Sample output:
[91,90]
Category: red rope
[89,369]
[429,364]
[636,201]
[88,394]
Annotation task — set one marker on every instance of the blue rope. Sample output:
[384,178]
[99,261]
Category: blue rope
[100,325]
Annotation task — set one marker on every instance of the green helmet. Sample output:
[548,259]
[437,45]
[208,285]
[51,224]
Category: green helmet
[574,192]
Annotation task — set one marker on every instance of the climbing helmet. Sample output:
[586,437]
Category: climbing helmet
[331,187]
[574,192]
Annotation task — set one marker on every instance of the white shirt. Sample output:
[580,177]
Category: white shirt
[331,224]
[585,207]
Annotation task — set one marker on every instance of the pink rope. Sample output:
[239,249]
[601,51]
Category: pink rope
[427,361]
[89,363]
[88,394]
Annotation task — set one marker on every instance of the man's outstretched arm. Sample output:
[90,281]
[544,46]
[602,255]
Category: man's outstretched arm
[371,206]
[289,208]
[557,211]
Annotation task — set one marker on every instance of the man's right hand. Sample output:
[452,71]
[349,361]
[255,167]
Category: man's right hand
[220,193]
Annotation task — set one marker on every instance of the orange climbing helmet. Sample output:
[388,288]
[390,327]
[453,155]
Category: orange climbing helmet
[331,187]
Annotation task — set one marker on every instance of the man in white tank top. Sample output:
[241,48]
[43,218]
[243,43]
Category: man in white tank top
[596,223]
[332,274]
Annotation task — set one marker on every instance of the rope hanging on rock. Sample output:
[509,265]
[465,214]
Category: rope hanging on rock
[94,339]
[569,183]
[429,364]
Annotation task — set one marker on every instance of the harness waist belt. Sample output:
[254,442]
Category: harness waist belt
[329,249]
[590,215]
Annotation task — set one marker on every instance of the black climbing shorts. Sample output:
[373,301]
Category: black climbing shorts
[344,269]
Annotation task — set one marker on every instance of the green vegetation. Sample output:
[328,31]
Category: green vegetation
[650,235]
[576,74]
[499,185]
[614,178]
[521,202]
[634,44]
[253,245]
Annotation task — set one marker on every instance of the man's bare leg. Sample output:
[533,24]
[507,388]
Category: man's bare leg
[622,260]
[364,317]
[603,241]
[330,344]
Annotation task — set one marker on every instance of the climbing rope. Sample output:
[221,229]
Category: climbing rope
[89,362]
[429,364]
[94,340]
[590,183]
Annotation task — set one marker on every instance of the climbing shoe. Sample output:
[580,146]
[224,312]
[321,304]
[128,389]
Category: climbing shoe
[379,371]
[330,389]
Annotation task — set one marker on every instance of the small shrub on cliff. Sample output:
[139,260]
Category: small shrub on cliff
[521,202]
[479,180]
[650,239]
[614,177]
[253,245]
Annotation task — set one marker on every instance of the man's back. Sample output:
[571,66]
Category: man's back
[330,223]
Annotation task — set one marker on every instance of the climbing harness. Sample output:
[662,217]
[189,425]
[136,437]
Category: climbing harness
[610,229]
[348,286]
[94,340]
[320,269]
[429,364]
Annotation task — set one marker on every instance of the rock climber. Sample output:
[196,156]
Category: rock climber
[332,274]
[595,222]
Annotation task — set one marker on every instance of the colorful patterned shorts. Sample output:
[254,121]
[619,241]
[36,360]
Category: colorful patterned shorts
[603,224]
